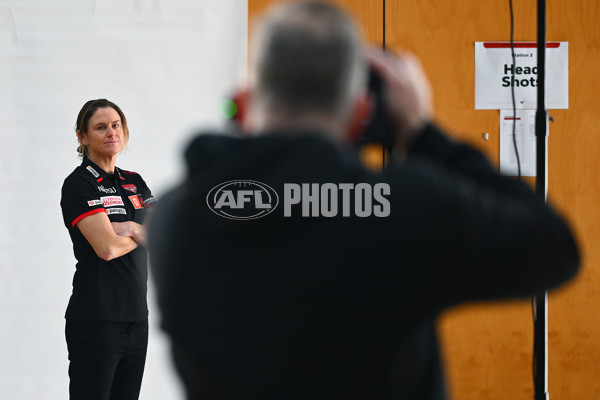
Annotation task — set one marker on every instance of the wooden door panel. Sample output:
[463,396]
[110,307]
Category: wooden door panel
[488,347]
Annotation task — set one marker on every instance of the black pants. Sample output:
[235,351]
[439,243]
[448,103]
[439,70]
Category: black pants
[106,359]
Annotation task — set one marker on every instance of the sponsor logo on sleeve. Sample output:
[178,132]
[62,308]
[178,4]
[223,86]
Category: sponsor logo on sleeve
[111,201]
[107,190]
[135,201]
[110,211]
[131,188]
[150,200]
[92,203]
[92,171]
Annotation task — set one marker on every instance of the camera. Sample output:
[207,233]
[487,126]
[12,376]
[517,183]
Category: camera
[378,128]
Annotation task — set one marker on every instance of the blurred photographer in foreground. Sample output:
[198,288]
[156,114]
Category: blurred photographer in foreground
[286,270]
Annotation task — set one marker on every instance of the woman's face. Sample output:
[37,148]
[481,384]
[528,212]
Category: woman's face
[105,135]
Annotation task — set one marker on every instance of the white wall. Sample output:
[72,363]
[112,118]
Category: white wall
[167,64]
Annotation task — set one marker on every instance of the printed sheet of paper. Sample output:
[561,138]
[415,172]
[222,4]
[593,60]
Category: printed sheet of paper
[494,68]
[525,134]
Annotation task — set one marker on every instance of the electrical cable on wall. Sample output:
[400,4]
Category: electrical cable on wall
[512,89]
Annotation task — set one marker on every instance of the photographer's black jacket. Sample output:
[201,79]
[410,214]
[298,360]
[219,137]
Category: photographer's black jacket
[341,307]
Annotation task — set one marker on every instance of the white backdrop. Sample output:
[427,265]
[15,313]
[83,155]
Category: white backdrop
[167,64]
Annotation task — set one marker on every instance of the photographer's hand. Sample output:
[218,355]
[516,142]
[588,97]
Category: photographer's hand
[408,93]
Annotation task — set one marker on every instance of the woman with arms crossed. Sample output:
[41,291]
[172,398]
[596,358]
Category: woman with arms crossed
[104,209]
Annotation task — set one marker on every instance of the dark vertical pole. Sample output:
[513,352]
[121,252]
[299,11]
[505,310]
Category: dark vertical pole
[540,337]
[384,147]
[383,25]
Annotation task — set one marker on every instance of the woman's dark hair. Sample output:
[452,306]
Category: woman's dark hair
[83,119]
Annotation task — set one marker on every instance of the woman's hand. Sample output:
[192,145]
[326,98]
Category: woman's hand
[101,235]
[131,229]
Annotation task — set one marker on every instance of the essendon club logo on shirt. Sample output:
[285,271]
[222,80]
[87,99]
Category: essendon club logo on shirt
[135,200]
[131,188]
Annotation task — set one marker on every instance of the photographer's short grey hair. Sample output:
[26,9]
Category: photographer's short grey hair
[308,57]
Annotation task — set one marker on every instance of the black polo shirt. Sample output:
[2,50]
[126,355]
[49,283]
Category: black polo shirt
[112,290]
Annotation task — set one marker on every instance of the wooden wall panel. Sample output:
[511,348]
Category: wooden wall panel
[369,14]
[574,152]
[488,347]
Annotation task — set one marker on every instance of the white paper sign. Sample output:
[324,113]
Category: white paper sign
[493,75]
[526,141]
